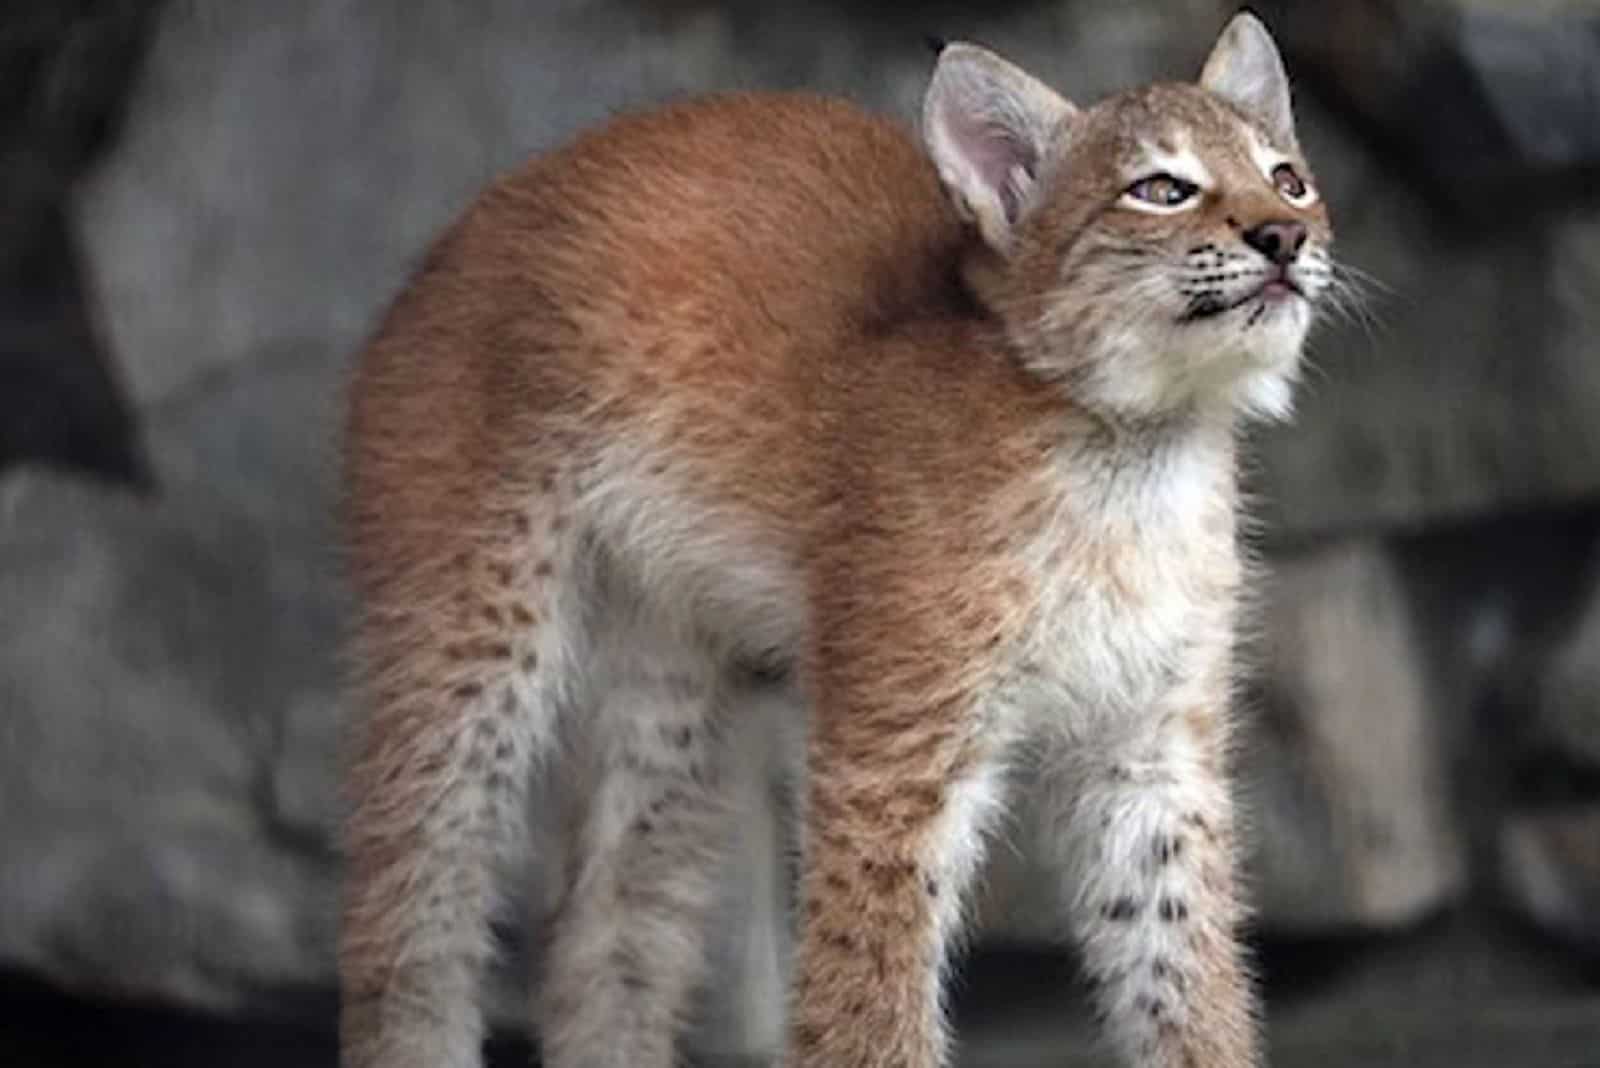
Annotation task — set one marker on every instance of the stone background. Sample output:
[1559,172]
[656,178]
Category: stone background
[203,207]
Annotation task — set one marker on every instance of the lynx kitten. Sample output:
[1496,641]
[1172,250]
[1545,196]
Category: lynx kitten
[757,395]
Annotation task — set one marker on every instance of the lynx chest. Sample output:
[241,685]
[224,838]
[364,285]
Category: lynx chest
[1134,582]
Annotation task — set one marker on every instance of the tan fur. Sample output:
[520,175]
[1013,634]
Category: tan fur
[736,369]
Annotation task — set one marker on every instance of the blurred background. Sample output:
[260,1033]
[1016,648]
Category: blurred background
[203,207]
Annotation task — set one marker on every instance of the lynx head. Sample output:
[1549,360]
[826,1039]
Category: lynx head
[1163,249]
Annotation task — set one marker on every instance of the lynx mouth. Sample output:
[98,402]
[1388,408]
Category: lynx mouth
[1279,287]
[1275,289]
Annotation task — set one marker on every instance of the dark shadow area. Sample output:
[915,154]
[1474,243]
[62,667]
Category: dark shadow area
[67,71]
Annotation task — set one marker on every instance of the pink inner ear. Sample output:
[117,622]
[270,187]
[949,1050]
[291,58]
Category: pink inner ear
[992,151]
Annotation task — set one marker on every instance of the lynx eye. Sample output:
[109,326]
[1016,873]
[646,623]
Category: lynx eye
[1293,188]
[1161,192]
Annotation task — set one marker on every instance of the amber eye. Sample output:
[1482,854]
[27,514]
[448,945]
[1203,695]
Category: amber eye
[1163,190]
[1289,183]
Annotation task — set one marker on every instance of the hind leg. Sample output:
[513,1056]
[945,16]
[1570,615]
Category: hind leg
[626,952]
[455,714]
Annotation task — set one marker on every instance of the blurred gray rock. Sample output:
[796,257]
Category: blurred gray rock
[1547,845]
[1346,774]
[1567,702]
[66,72]
[1497,92]
[1465,384]
[1454,140]
[1549,860]
[168,696]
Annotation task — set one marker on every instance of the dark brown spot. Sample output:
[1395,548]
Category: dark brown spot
[889,877]
[1173,910]
[466,691]
[1166,848]
[932,888]
[843,941]
[492,615]
[521,615]
[500,651]
[522,525]
[544,569]
[501,573]
[529,662]
[1122,909]
[643,826]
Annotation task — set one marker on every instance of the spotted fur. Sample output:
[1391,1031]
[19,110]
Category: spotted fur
[750,425]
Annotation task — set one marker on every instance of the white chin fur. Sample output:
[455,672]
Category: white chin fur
[1222,363]
[1255,358]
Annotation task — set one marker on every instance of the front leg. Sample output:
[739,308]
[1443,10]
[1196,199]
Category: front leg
[895,826]
[1145,813]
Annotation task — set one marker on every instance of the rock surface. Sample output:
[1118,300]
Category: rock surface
[168,702]
[1345,773]
[66,72]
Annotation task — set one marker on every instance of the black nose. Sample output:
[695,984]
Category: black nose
[1279,241]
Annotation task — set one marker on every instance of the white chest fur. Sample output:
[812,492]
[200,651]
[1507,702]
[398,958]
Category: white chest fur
[1135,575]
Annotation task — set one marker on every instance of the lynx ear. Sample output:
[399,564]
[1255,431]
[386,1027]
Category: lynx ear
[988,127]
[1244,68]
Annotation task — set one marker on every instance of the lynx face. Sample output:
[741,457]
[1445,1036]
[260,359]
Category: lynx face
[1163,249]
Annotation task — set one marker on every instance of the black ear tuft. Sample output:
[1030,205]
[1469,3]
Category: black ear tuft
[935,43]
